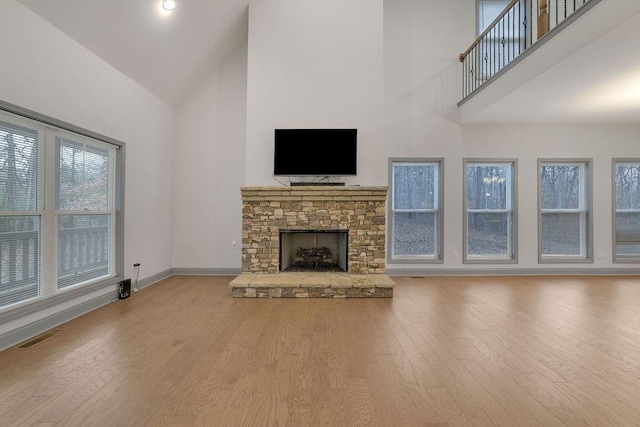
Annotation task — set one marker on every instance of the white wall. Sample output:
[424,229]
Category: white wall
[315,64]
[208,162]
[422,39]
[45,71]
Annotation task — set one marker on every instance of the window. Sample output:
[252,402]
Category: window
[490,211]
[488,11]
[626,205]
[84,209]
[58,203]
[416,210]
[564,211]
[20,211]
[505,41]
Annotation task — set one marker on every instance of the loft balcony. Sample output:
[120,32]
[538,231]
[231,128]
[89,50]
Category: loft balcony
[574,61]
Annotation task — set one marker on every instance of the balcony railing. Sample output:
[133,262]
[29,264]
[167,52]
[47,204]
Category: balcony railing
[19,272]
[83,254]
[515,30]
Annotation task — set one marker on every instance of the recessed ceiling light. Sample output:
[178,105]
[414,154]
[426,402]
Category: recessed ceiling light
[168,4]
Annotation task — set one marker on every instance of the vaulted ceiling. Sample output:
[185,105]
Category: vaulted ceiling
[595,79]
[169,53]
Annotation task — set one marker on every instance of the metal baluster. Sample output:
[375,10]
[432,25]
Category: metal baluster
[468,70]
[465,77]
[476,64]
[493,52]
[503,43]
[531,23]
[464,81]
[487,64]
[526,26]
[481,62]
[489,56]
[498,46]
[513,33]
[519,28]
[474,67]
[494,46]
[470,58]
[484,59]
[498,42]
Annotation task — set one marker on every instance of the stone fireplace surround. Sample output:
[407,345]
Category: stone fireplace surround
[268,210]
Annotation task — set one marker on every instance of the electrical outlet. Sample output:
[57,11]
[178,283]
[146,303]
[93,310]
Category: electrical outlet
[600,254]
[454,254]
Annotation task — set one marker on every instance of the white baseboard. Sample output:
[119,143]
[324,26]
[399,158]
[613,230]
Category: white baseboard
[426,271]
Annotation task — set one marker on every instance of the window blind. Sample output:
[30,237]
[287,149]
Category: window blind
[20,228]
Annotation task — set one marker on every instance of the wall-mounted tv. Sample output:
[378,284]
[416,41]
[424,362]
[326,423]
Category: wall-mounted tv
[315,152]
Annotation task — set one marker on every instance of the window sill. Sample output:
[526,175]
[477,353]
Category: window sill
[490,260]
[564,260]
[415,260]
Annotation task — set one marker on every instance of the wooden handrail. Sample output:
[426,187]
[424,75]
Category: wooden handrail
[506,10]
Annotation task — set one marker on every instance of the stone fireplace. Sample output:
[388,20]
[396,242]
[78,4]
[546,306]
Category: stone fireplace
[313,226]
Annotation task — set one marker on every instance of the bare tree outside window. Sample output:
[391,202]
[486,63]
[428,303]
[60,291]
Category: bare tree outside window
[564,210]
[416,209]
[627,210]
[490,195]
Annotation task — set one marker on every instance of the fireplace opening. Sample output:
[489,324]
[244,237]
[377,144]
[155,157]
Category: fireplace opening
[313,250]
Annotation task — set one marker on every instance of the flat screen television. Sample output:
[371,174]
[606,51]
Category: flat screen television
[315,152]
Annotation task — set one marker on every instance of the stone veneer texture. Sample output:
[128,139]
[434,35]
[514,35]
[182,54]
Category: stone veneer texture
[267,210]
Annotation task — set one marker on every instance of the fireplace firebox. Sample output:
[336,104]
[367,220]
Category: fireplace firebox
[314,250]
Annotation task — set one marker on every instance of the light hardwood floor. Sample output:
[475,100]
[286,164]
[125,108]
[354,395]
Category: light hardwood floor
[457,351]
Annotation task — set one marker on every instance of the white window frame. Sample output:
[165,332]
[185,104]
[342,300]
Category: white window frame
[438,209]
[584,211]
[49,293]
[511,211]
[621,258]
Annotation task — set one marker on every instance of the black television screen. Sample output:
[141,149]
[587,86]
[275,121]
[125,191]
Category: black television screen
[319,152]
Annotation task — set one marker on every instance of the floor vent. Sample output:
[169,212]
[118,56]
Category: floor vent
[39,338]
